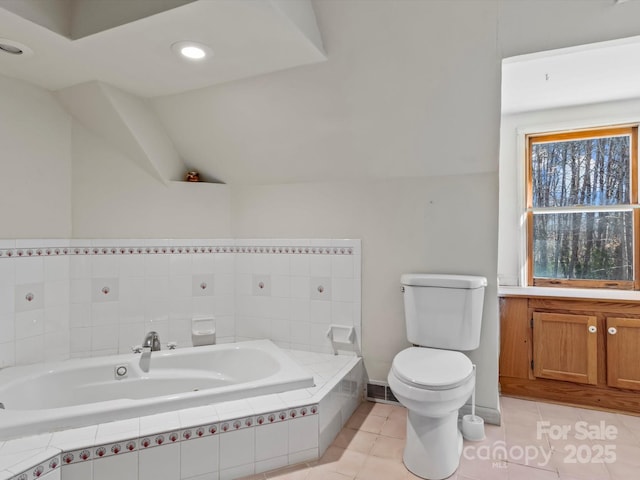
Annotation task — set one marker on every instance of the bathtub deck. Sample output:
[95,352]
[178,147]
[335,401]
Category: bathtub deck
[337,392]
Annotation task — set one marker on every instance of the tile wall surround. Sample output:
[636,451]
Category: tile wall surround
[77,298]
[221,441]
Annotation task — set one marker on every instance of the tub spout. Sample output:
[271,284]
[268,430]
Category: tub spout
[152,342]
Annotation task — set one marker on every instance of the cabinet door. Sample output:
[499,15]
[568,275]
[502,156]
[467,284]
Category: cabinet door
[623,352]
[565,347]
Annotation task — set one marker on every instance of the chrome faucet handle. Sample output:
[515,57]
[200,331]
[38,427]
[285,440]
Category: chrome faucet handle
[136,349]
[172,345]
[152,341]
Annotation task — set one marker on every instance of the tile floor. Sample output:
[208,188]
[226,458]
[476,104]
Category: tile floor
[536,441]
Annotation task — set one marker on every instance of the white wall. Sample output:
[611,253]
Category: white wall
[114,198]
[511,257]
[402,81]
[437,224]
[60,180]
[410,89]
[35,161]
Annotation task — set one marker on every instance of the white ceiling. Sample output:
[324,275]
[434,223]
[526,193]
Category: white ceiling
[402,80]
[132,47]
[371,111]
[81,18]
[581,75]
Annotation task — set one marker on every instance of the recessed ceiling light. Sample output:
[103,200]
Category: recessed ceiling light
[191,50]
[14,48]
[10,49]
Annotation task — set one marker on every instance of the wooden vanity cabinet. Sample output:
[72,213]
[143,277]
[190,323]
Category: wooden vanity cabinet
[623,352]
[582,352]
[565,347]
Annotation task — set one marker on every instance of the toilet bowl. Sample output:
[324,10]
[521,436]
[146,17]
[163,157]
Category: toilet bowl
[443,316]
[432,384]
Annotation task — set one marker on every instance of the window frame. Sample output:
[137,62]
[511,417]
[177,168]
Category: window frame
[633,206]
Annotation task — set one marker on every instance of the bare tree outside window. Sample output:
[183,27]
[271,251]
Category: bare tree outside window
[581,195]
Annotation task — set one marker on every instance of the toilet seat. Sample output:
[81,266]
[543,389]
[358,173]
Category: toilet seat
[431,368]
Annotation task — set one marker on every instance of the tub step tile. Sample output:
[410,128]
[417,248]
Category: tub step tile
[75,439]
[272,464]
[115,431]
[266,403]
[234,409]
[303,434]
[303,456]
[162,462]
[153,425]
[195,417]
[237,448]
[199,457]
[272,441]
[122,467]
[237,472]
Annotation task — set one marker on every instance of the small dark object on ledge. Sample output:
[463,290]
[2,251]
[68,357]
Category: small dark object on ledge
[193,176]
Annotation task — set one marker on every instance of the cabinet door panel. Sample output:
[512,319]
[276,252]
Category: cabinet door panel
[515,338]
[565,347]
[623,352]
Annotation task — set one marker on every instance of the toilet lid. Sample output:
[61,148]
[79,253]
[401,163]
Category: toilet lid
[432,368]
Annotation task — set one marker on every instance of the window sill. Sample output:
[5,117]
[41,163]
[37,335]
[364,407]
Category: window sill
[571,293]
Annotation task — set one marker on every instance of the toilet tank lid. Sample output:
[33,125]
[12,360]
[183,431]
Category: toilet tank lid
[443,280]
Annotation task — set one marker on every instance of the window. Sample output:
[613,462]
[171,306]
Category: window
[582,216]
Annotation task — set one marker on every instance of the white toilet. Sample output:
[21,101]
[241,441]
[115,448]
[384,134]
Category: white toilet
[433,379]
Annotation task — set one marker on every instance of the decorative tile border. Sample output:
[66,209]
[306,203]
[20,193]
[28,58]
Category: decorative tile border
[39,470]
[175,436]
[149,441]
[141,443]
[173,250]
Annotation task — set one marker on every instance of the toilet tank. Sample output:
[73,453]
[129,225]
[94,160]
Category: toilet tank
[443,311]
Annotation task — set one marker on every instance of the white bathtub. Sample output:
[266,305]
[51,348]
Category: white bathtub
[74,393]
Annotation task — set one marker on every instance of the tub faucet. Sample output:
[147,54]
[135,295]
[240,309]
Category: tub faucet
[151,341]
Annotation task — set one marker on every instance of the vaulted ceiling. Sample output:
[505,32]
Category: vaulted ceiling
[308,91]
[127,44]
